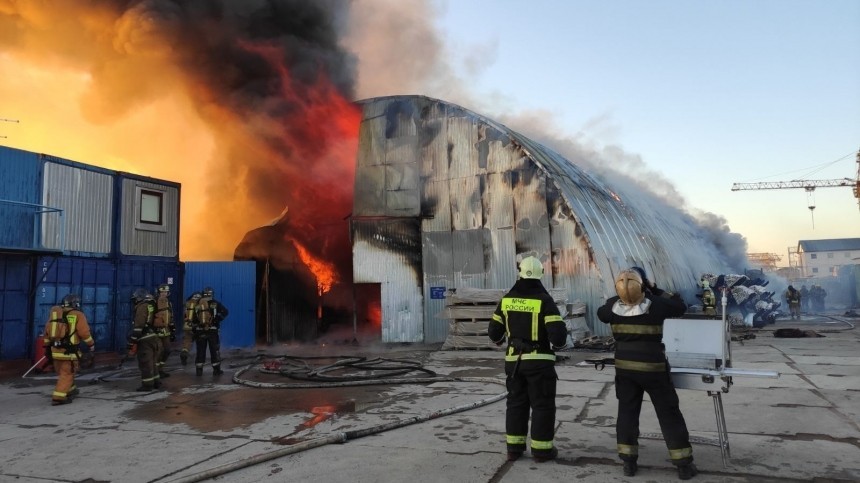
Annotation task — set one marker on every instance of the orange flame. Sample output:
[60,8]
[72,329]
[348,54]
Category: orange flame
[323,271]
[321,413]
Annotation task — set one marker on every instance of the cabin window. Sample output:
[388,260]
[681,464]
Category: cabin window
[150,210]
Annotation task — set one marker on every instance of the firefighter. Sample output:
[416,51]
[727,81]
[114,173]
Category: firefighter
[144,341]
[709,300]
[65,330]
[804,298]
[187,323]
[792,297]
[636,317]
[530,321]
[208,315]
[165,328]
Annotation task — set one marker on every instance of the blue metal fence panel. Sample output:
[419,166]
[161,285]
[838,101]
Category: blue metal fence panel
[15,275]
[148,274]
[235,285]
[20,181]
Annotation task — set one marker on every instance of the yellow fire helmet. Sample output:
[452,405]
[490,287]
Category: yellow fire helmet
[531,267]
[628,286]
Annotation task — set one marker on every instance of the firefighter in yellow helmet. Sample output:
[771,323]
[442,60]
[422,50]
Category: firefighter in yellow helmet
[67,327]
[145,340]
[208,315]
[187,325]
[162,321]
[531,322]
[636,315]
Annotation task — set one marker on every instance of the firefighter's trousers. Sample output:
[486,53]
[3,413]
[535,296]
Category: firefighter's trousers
[148,350]
[187,339]
[531,389]
[66,369]
[165,352]
[630,387]
[212,340]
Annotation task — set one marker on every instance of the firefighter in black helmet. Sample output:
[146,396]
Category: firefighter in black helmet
[636,316]
[208,315]
[144,340]
[530,321]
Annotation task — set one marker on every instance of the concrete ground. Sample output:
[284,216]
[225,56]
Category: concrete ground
[803,426]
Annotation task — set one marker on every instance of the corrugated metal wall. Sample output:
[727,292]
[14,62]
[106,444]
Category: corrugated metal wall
[87,198]
[235,286]
[20,180]
[490,195]
[388,252]
[15,284]
[136,240]
[90,278]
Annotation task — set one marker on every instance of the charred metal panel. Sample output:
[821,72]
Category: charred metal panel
[462,137]
[436,207]
[531,225]
[468,256]
[466,208]
[156,240]
[438,278]
[502,258]
[87,198]
[388,251]
[434,142]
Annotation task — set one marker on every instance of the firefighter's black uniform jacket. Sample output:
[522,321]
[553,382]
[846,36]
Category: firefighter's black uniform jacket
[528,317]
[641,366]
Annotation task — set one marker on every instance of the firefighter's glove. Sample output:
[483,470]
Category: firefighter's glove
[131,347]
[676,297]
[173,335]
[93,348]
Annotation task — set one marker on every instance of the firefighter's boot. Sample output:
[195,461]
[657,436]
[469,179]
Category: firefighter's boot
[163,374]
[630,468]
[183,358]
[216,371]
[145,388]
[543,457]
[199,371]
[687,471]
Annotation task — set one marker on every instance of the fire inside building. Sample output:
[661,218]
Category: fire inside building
[446,198]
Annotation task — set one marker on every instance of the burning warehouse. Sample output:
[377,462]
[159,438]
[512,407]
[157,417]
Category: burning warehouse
[446,198]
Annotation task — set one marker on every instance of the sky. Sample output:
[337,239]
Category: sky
[693,95]
[707,94]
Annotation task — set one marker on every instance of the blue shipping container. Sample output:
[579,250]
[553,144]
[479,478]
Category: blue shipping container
[20,182]
[15,277]
[90,278]
[234,284]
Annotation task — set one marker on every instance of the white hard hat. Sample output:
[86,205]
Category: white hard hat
[531,267]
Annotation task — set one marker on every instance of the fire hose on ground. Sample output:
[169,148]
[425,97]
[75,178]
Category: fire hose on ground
[307,373]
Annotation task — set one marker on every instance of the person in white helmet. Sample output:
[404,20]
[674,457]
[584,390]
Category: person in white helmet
[531,322]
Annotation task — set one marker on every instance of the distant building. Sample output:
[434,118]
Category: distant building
[823,258]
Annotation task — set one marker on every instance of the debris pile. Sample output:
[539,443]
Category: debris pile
[749,302]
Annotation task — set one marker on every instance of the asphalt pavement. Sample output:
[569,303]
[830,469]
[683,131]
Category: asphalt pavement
[802,426]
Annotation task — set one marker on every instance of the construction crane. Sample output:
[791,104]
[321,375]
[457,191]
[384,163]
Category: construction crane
[808,185]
